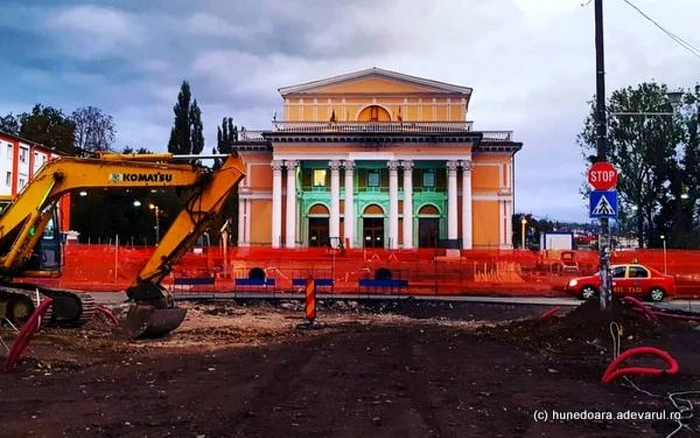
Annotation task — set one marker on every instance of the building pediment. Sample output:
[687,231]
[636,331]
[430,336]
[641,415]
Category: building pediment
[374,81]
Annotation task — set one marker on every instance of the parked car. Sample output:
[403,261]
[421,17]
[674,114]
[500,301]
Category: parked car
[628,280]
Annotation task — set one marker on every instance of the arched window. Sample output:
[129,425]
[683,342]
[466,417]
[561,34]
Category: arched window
[374,113]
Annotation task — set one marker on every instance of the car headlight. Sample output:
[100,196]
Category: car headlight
[573,283]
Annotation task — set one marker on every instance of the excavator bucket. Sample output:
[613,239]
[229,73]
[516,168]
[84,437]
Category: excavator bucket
[147,321]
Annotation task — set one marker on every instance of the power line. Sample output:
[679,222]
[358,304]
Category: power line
[680,41]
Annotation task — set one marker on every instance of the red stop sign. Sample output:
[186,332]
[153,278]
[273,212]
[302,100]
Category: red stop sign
[602,176]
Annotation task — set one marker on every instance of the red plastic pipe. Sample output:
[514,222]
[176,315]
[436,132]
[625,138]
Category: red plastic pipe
[612,372]
[639,305]
[25,334]
[549,312]
[108,313]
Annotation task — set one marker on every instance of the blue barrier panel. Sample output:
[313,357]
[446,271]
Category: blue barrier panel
[383,283]
[319,282]
[254,282]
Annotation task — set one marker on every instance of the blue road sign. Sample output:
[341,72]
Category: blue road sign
[603,203]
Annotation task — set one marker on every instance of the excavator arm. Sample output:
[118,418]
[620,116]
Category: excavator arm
[154,313]
[23,221]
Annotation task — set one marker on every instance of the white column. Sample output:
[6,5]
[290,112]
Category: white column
[407,204]
[276,203]
[452,199]
[393,204]
[349,203]
[241,221]
[466,204]
[291,235]
[334,223]
[248,210]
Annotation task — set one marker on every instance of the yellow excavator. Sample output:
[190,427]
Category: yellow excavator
[31,244]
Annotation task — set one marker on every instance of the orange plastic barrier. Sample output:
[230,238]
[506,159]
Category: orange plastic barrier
[428,271]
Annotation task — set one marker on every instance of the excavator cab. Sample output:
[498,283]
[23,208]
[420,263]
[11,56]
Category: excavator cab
[48,252]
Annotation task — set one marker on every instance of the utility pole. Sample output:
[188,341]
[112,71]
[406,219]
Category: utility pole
[602,147]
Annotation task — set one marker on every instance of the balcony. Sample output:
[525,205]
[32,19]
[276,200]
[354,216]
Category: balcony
[366,127]
[244,135]
[369,127]
[497,135]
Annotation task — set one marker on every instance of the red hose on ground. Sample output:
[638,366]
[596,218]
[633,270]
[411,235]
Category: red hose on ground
[25,334]
[108,313]
[639,305]
[549,312]
[613,372]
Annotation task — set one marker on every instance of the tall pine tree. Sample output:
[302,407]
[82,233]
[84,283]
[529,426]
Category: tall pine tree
[186,136]
[226,136]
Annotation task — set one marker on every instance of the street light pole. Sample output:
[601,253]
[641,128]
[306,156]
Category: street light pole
[523,222]
[602,149]
[156,210]
[663,240]
[157,226]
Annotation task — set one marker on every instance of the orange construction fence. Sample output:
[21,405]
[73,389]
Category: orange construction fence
[426,271]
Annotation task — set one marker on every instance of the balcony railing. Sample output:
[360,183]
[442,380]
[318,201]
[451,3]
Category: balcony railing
[362,127]
[498,135]
[250,135]
[387,127]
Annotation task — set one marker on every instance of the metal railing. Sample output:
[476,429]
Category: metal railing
[388,127]
[244,135]
[497,135]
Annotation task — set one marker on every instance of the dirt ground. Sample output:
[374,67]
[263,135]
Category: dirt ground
[390,370]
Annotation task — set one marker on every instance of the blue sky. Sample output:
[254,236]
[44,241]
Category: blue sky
[530,62]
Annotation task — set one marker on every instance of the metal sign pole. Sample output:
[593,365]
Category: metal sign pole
[601,145]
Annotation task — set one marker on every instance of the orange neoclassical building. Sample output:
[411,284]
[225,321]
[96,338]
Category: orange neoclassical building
[376,159]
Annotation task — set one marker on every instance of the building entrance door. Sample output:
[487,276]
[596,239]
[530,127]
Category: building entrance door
[428,232]
[373,232]
[318,231]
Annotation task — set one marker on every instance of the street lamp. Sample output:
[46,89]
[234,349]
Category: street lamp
[157,210]
[137,203]
[674,98]
[523,222]
[83,193]
[663,240]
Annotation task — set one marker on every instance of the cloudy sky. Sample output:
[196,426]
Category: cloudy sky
[531,63]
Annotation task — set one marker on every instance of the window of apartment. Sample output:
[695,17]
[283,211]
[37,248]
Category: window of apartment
[8,179]
[373,178]
[9,151]
[23,155]
[21,183]
[428,179]
[319,177]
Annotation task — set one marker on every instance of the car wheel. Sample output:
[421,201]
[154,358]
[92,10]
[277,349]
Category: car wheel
[656,294]
[587,292]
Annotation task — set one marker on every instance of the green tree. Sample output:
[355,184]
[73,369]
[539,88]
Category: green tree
[94,130]
[186,136]
[226,137]
[9,124]
[130,150]
[643,149]
[50,127]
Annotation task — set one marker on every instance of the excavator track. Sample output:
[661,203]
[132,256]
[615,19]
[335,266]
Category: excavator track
[70,308]
[17,305]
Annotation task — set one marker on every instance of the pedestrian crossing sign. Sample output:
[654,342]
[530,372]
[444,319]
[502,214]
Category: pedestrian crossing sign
[603,203]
